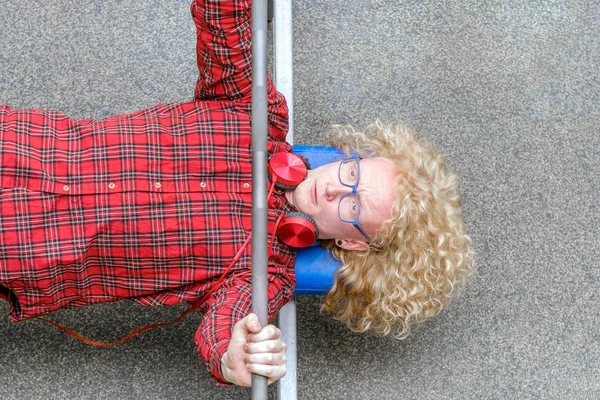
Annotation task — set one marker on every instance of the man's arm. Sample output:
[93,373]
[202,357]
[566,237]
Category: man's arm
[230,339]
[224,56]
[223,49]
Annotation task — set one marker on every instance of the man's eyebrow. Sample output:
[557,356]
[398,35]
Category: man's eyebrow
[361,200]
[364,205]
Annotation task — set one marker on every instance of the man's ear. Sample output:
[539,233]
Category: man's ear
[350,244]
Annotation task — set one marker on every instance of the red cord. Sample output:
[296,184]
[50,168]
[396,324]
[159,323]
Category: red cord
[194,306]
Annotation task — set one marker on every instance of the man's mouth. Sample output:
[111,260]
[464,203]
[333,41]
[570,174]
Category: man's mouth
[315,193]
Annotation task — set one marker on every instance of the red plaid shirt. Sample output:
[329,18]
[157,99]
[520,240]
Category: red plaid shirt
[150,206]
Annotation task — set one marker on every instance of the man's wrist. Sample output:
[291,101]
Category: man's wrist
[225,368]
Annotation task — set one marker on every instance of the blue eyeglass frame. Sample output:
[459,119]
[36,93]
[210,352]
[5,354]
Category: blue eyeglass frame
[353,192]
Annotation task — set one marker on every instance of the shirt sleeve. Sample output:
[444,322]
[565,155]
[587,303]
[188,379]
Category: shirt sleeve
[224,57]
[227,305]
[223,49]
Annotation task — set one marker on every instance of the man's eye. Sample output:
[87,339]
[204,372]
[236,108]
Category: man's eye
[353,174]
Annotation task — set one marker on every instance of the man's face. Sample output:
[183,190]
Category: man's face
[320,193]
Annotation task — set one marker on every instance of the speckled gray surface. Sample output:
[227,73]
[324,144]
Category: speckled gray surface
[508,90]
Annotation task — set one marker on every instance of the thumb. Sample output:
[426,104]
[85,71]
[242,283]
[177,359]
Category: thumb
[252,323]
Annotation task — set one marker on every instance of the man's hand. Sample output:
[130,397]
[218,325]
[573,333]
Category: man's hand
[253,350]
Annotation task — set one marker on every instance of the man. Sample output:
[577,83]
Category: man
[155,206]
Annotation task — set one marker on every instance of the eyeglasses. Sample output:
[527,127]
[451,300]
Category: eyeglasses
[349,206]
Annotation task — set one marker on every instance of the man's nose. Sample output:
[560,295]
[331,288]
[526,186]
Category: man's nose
[335,190]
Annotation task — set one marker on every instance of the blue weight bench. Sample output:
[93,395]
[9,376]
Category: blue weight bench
[315,269]
[315,266]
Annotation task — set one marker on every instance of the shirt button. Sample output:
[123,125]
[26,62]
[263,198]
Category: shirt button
[157,185]
[111,185]
[202,184]
[66,188]
[246,185]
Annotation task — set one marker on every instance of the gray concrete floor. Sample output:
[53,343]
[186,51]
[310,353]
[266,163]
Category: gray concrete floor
[508,90]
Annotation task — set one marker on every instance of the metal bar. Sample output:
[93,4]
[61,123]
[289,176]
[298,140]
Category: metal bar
[259,177]
[282,37]
[287,387]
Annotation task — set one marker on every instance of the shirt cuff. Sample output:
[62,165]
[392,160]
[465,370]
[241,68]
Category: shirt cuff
[214,363]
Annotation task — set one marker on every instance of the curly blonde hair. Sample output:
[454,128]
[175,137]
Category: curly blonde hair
[420,257]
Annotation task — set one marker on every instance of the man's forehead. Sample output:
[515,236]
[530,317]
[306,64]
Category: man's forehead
[380,184]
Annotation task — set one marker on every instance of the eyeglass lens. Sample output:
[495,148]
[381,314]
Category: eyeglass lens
[349,206]
[349,172]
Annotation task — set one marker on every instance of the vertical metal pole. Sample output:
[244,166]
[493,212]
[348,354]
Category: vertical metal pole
[259,177]
[283,54]
[288,387]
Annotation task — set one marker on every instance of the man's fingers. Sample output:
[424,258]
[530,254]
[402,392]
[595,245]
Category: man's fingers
[266,358]
[272,372]
[267,346]
[269,332]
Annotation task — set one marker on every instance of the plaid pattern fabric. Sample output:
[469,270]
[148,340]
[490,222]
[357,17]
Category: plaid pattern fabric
[150,206]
